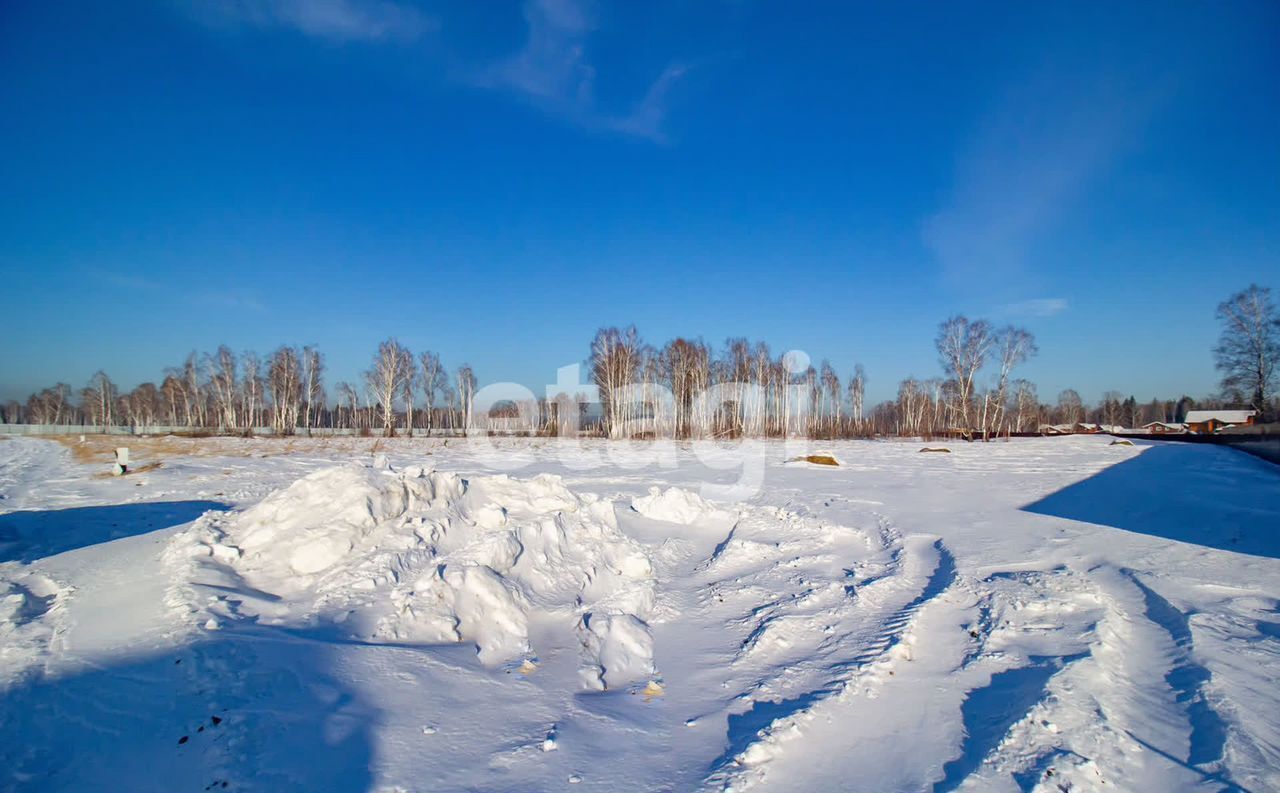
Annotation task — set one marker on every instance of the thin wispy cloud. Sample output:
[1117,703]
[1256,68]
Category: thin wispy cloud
[1037,153]
[231,299]
[334,20]
[553,71]
[648,116]
[124,280]
[552,64]
[1036,308]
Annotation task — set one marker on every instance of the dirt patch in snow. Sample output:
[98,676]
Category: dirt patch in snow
[818,459]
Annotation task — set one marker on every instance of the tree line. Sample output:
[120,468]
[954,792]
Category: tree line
[683,388]
[223,392]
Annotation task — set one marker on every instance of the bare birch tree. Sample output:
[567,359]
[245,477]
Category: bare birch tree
[348,400]
[312,386]
[857,394]
[1012,347]
[99,400]
[409,390]
[1249,347]
[252,388]
[1026,406]
[466,379]
[284,378]
[963,347]
[222,383]
[141,406]
[434,382]
[391,365]
[11,412]
[171,395]
[829,385]
[50,406]
[615,362]
[1070,407]
[686,368]
[194,393]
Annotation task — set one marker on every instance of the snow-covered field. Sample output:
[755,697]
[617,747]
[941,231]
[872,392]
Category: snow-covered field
[1050,614]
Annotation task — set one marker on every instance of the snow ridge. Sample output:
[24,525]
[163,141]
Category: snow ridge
[864,638]
[425,557]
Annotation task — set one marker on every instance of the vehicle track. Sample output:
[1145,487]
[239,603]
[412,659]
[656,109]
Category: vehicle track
[872,635]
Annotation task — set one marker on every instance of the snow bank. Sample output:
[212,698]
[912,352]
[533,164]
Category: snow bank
[32,608]
[622,647]
[675,505]
[423,556]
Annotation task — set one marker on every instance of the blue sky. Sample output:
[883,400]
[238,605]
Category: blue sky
[496,181]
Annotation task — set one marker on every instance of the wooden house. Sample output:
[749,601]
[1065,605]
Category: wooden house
[1207,422]
[1162,427]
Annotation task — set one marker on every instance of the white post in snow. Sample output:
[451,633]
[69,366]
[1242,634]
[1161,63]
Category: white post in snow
[122,461]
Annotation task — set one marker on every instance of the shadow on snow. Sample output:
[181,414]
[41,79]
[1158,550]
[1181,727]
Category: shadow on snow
[215,715]
[1209,496]
[989,712]
[27,535]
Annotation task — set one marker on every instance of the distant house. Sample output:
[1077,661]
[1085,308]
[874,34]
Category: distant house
[1161,427]
[1210,421]
[1079,428]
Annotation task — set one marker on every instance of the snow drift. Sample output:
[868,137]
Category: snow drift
[1115,633]
[676,505]
[422,556]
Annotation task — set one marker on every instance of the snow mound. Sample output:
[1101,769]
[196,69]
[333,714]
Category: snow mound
[31,616]
[675,505]
[423,556]
[622,647]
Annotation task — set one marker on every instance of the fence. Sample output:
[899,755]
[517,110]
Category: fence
[1262,440]
[491,426]
[98,429]
[86,429]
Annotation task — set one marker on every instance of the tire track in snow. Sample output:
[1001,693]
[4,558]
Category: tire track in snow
[1187,678]
[1033,624]
[781,629]
[1149,683]
[926,570]
[1128,708]
[988,713]
[1012,694]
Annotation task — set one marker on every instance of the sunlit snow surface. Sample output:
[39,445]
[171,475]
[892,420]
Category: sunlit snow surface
[405,615]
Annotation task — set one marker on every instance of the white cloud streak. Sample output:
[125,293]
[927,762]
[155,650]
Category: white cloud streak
[333,20]
[552,71]
[1030,162]
[1038,308]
